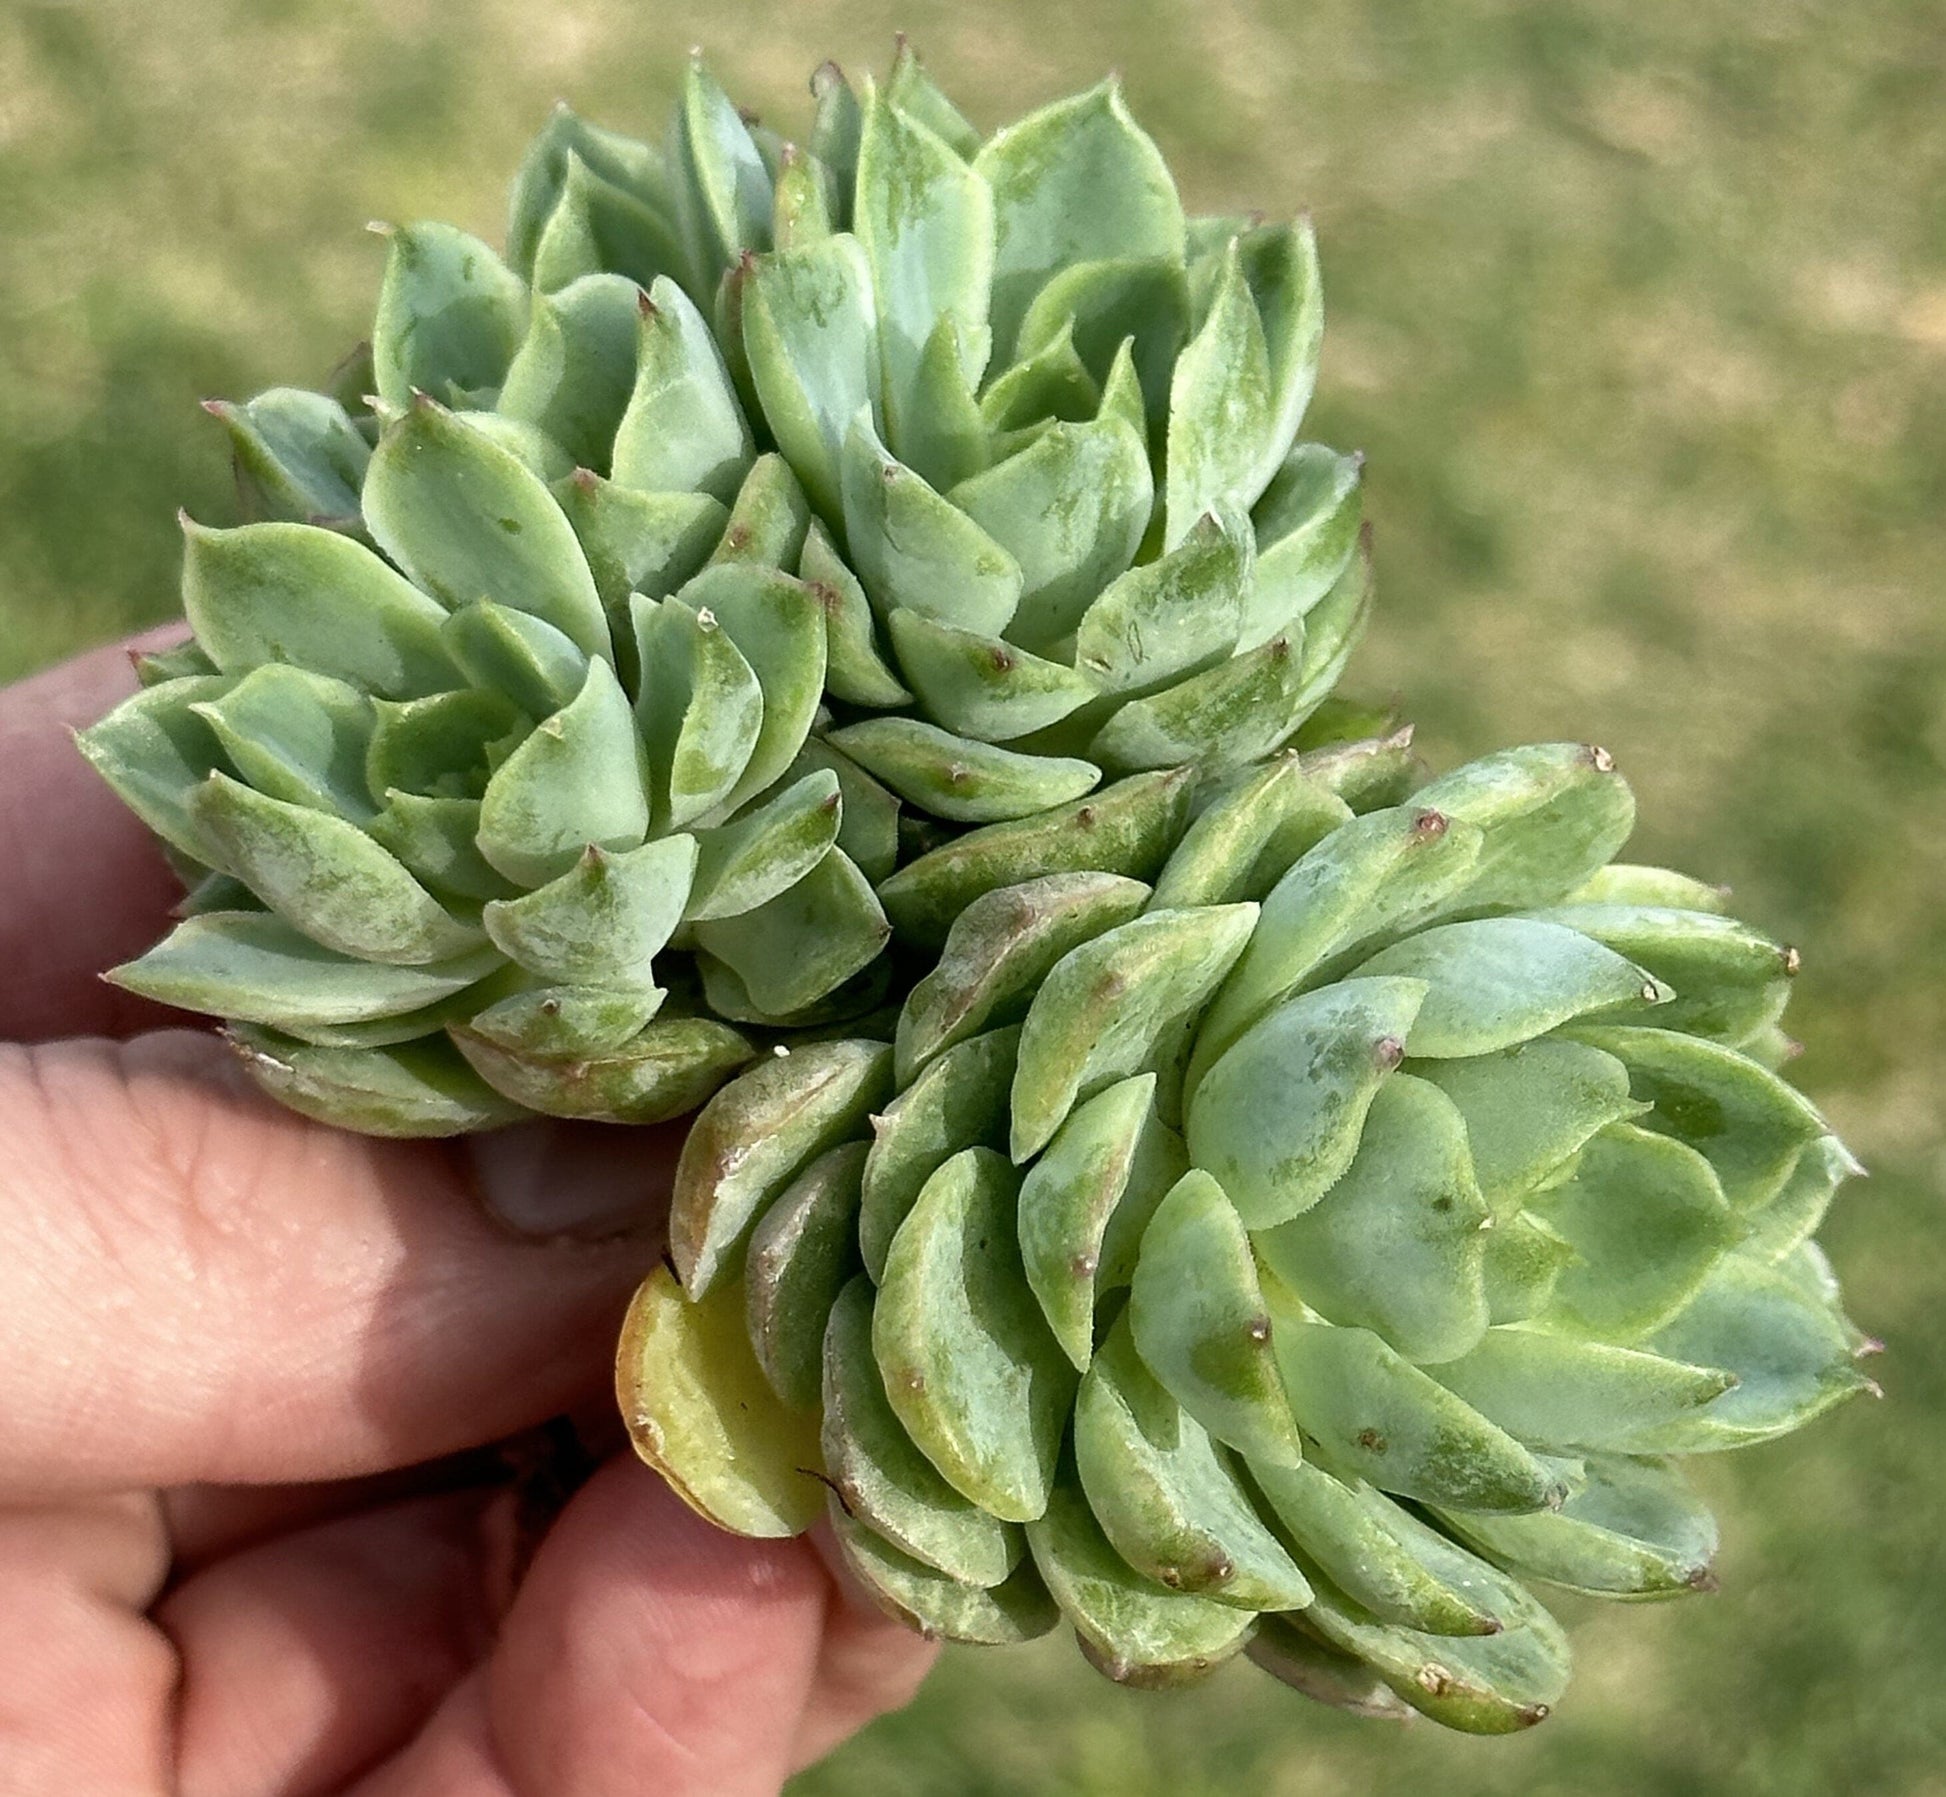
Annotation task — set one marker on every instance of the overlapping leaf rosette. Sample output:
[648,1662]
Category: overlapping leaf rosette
[1308,1238]
[767,519]
[856,621]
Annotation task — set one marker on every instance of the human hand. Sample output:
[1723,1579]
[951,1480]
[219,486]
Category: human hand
[255,1538]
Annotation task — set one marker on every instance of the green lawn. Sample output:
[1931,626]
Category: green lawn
[1641,314]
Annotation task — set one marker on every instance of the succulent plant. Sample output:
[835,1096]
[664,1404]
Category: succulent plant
[846,632]
[768,517]
[1303,1250]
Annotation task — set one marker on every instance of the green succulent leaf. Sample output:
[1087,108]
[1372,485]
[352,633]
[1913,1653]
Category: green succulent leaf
[925,223]
[1222,408]
[1164,1493]
[1170,618]
[700,1411]
[1552,813]
[466,520]
[804,943]
[1789,1350]
[1396,1244]
[1279,1117]
[324,876]
[665,1070]
[450,315]
[958,778]
[1631,1528]
[724,187]
[1107,1005]
[515,654]
[811,330]
[854,670]
[1560,1392]
[156,750]
[881,1478]
[999,951]
[1086,1203]
[1293,1656]
[267,593]
[1127,828]
[776,624]
[1070,509]
[1481,1684]
[1074,182]
[982,686]
[255,967]
[958,1100]
[1381,1419]
[1364,879]
[604,920]
[1380,1555]
[1530,1109]
[802,1251]
[419,1088]
[755,1136]
[765,850]
[1647,1221]
[298,455]
[969,1364]
[1730,981]
[915,549]
[1201,1325]
[1499,981]
[682,429]
[1307,532]
[1749,1125]
[1130,1628]
[576,781]
[572,373]
[1015,1610]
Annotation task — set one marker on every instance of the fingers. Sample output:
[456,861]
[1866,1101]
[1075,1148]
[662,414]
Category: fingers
[308,1658]
[870,1664]
[648,1651]
[82,883]
[85,1681]
[200,1286]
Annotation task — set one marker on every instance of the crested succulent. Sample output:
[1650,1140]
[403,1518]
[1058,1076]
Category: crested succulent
[1304,1250]
[842,634]
[767,517]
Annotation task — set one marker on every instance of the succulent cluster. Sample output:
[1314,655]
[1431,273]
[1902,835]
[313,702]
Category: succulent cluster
[846,632]
[1298,1248]
[766,517]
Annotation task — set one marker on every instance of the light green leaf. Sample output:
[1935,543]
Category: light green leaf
[576,781]
[450,315]
[467,521]
[1499,981]
[255,967]
[1074,182]
[1201,1325]
[292,593]
[882,1479]
[969,1365]
[682,429]
[1279,1117]
[700,1411]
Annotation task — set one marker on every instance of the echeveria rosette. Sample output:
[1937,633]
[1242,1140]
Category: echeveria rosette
[1044,426]
[472,830]
[1307,1245]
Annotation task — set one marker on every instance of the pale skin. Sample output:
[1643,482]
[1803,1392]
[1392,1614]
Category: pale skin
[244,1550]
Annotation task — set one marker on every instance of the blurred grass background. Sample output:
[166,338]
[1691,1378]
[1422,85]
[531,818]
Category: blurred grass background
[1641,314]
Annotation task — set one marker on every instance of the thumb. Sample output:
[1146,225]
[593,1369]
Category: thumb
[203,1286]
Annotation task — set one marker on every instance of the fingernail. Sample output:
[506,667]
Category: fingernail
[587,1181]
